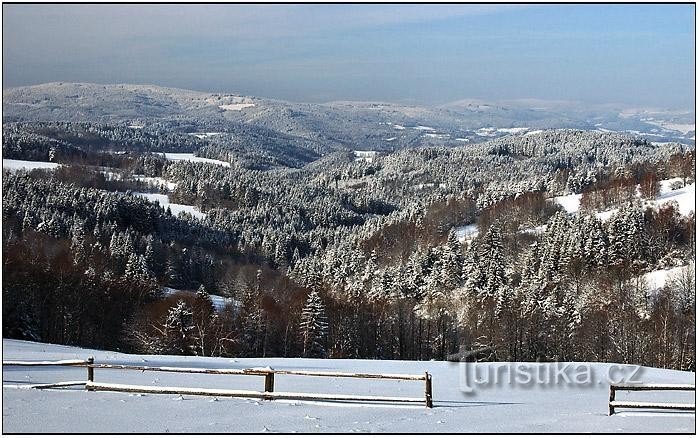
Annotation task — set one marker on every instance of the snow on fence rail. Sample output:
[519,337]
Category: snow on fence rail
[613,403]
[66,363]
[268,394]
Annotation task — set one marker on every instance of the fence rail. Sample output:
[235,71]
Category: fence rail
[268,373]
[613,403]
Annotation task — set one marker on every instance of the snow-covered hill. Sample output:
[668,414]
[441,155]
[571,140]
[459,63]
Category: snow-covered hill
[502,408]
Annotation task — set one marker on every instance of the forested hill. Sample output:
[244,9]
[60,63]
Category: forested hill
[325,127]
[305,242]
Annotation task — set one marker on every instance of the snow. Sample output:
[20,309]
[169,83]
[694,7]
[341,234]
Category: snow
[423,128]
[398,127]
[434,135]
[156,181]
[684,197]
[191,157]
[236,106]
[136,126]
[541,229]
[176,209]
[487,132]
[15,165]
[513,130]
[503,408]
[367,156]
[218,301]
[205,134]
[570,203]
[658,279]
[536,131]
[606,215]
[390,139]
[466,232]
[463,139]
[684,128]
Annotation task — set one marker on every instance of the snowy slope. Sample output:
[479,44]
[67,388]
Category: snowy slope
[513,408]
[14,165]
[658,279]
[218,301]
[684,197]
[466,232]
[176,209]
[191,157]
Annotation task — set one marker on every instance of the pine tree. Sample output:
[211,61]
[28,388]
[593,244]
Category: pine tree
[314,326]
[179,330]
[252,323]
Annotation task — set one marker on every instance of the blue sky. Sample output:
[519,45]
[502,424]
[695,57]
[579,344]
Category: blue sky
[636,55]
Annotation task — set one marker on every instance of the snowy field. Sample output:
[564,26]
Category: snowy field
[658,279]
[236,106]
[156,181]
[175,209]
[14,165]
[218,301]
[504,408]
[191,157]
[684,197]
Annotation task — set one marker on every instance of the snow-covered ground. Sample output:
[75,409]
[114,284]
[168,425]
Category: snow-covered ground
[434,135]
[466,232]
[534,132]
[367,156]
[205,134]
[236,106]
[658,279]
[534,408]
[487,132]
[218,301]
[14,165]
[685,198]
[191,157]
[175,209]
[424,128]
[156,181]
[513,130]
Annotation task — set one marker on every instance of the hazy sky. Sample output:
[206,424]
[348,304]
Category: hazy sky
[640,55]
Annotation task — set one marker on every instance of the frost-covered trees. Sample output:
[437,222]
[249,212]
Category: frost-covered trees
[374,240]
[314,326]
[179,330]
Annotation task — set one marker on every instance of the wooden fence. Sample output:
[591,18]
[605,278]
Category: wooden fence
[613,403]
[268,373]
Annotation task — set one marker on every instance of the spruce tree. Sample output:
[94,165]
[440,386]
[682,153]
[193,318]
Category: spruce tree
[314,326]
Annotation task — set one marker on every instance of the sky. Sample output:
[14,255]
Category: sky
[637,55]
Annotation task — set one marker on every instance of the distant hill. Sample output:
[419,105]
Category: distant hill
[334,125]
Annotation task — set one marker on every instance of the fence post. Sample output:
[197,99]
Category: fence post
[611,398]
[90,370]
[428,390]
[269,383]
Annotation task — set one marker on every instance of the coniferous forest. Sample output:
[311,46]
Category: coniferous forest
[308,249]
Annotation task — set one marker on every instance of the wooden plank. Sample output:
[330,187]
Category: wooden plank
[653,405]
[343,397]
[262,372]
[653,387]
[184,370]
[92,386]
[46,385]
[354,375]
[20,363]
